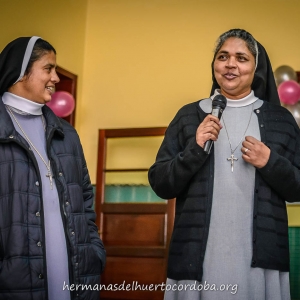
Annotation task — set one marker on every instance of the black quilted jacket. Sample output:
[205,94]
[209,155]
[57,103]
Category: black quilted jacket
[183,171]
[23,269]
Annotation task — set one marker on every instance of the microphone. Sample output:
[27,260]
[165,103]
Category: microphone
[218,106]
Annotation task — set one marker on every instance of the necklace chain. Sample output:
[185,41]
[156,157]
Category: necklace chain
[232,158]
[48,166]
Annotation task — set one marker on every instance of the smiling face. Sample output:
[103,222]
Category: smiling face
[39,84]
[234,68]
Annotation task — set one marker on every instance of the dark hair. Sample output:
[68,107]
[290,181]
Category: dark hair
[241,34]
[41,47]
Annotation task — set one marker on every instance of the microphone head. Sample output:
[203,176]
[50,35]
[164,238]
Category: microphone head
[219,100]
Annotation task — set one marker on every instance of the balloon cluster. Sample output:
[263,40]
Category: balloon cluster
[288,90]
[62,103]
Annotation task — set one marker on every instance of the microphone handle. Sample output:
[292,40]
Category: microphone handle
[217,112]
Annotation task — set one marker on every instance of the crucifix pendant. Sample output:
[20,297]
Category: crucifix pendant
[232,159]
[50,178]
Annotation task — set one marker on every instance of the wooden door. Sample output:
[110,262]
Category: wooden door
[135,235]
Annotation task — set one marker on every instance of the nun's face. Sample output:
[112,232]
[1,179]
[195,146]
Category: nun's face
[234,68]
[39,84]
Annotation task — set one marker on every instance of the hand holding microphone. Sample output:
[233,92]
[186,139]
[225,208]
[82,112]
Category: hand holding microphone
[209,129]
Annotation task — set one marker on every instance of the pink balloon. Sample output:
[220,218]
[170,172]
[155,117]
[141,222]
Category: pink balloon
[289,92]
[62,103]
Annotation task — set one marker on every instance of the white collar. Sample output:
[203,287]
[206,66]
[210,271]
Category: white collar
[22,104]
[249,99]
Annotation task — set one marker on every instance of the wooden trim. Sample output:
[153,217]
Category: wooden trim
[134,208]
[171,217]
[135,251]
[125,170]
[138,294]
[100,183]
[134,132]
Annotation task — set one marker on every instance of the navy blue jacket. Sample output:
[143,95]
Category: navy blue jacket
[184,171]
[23,268]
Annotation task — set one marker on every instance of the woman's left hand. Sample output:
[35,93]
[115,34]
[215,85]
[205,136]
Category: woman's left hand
[255,152]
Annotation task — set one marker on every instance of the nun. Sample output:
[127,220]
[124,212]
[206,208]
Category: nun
[49,243]
[230,237]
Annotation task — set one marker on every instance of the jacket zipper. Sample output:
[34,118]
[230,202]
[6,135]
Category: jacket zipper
[63,213]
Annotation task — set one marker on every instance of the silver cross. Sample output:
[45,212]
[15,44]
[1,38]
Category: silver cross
[232,159]
[50,178]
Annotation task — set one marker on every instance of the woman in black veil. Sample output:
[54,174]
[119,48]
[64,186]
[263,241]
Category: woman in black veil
[230,237]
